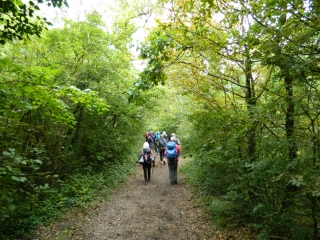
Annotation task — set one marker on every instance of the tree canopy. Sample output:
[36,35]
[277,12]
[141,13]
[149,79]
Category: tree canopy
[20,20]
[250,69]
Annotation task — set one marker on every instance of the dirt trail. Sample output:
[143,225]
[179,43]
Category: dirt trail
[157,210]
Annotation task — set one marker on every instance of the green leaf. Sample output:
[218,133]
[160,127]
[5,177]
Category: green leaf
[4,61]
[28,89]
[19,179]
[38,161]
[11,207]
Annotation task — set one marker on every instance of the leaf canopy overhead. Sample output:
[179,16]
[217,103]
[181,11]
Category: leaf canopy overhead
[19,20]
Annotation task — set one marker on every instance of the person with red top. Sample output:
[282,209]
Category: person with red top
[172,153]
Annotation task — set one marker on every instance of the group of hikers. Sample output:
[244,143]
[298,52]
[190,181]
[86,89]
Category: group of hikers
[167,147]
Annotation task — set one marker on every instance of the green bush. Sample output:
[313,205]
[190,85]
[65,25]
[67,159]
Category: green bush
[77,191]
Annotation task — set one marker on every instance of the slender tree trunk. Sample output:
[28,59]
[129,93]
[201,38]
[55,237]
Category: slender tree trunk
[292,150]
[314,205]
[290,190]
[251,103]
[251,133]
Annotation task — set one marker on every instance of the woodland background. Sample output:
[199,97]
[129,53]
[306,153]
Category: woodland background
[237,81]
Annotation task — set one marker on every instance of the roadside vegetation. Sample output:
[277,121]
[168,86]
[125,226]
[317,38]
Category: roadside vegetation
[237,81]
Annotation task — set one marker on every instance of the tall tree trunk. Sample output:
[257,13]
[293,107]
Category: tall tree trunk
[290,190]
[251,103]
[292,150]
[251,133]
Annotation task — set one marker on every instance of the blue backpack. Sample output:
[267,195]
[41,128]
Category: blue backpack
[158,135]
[171,151]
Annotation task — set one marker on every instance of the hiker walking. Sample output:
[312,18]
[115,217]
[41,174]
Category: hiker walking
[165,135]
[175,138]
[157,143]
[150,140]
[163,146]
[146,159]
[172,153]
[153,136]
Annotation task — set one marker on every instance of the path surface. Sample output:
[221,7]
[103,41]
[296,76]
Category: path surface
[157,210]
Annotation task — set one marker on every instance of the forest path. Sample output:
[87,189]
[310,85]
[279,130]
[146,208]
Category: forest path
[157,210]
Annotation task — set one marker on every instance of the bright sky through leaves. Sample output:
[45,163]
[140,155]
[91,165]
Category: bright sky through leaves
[77,9]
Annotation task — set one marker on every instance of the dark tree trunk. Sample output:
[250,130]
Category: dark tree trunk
[292,150]
[251,103]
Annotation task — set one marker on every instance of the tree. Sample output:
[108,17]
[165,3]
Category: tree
[19,20]
[65,114]
[248,65]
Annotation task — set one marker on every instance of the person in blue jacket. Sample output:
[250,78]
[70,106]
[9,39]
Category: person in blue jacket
[172,153]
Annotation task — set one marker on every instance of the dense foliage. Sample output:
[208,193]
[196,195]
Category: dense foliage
[236,80]
[69,127]
[19,20]
[250,70]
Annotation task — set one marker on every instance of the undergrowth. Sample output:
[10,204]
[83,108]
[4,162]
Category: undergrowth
[231,211]
[82,191]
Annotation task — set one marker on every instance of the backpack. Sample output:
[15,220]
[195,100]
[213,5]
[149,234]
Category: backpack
[158,135]
[147,156]
[163,143]
[171,151]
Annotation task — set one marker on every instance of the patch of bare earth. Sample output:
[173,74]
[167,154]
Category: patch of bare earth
[157,210]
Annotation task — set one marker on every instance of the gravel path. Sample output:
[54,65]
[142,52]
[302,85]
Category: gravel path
[155,211]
